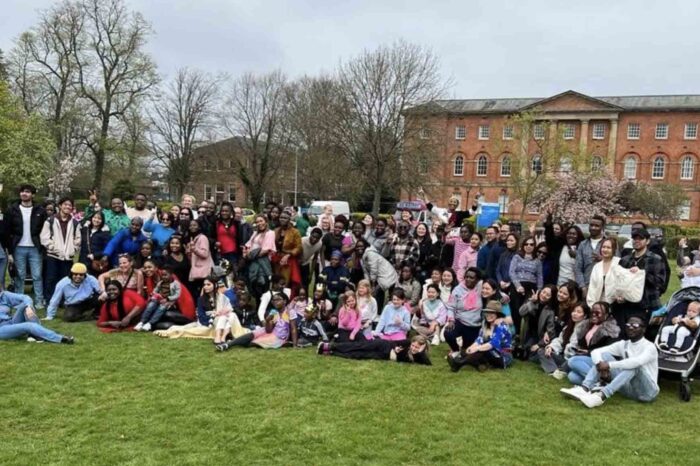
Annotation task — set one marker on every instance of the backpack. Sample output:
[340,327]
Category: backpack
[76,225]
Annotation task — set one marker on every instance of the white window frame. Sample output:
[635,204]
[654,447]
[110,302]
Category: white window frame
[661,131]
[484,132]
[658,168]
[684,210]
[535,163]
[691,131]
[231,192]
[506,166]
[538,131]
[596,163]
[687,167]
[458,166]
[482,165]
[630,168]
[508,132]
[598,131]
[503,201]
[569,132]
[208,187]
[566,164]
[460,132]
[634,131]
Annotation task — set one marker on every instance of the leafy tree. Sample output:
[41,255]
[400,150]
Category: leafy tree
[658,201]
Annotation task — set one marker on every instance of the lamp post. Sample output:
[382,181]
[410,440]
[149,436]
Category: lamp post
[296,176]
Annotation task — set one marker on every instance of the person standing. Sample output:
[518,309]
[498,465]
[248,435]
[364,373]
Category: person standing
[404,247]
[139,209]
[24,223]
[588,253]
[115,218]
[60,236]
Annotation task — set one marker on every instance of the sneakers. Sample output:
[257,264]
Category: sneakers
[221,347]
[47,318]
[559,375]
[67,340]
[319,348]
[138,327]
[574,392]
[34,340]
[146,327]
[454,366]
[592,400]
[436,339]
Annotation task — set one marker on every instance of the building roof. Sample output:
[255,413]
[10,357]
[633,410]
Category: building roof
[512,105]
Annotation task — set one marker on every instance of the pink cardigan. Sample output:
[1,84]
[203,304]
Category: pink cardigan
[349,320]
[466,260]
[200,258]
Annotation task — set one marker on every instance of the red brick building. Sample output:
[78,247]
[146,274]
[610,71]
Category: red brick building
[651,139]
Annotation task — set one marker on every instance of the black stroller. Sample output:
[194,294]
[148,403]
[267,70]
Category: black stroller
[683,360]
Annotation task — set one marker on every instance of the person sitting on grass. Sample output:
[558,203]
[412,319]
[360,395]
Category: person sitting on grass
[681,327]
[78,294]
[222,313]
[395,320]
[431,315]
[553,357]
[464,311]
[164,298]
[246,312]
[24,322]
[367,306]
[120,309]
[280,325]
[277,285]
[598,331]
[349,318]
[493,346]
[416,350]
[537,327]
[310,329]
[627,366]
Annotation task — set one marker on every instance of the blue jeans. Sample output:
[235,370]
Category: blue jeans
[20,326]
[29,255]
[578,368]
[153,313]
[632,383]
[3,267]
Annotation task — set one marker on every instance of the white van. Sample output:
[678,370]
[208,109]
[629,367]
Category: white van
[339,208]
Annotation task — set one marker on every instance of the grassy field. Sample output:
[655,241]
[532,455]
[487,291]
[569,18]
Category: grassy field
[137,399]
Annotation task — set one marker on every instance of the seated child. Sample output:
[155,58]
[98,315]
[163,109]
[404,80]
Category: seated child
[349,318]
[681,327]
[431,315]
[245,311]
[300,303]
[277,285]
[310,329]
[222,313]
[395,321]
[164,297]
[336,277]
[686,280]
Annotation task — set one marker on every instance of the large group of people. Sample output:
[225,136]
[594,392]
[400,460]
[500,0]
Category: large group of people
[381,287]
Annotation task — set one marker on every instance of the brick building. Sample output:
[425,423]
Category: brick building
[652,139]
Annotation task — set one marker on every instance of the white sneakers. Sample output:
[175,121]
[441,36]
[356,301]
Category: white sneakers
[138,327]
[559,375]
[436,340]
[574,392]
[146,327]
[590,399]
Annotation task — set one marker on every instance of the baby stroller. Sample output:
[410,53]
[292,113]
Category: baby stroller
[683,361]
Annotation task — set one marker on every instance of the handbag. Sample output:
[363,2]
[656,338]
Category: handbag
[95,264]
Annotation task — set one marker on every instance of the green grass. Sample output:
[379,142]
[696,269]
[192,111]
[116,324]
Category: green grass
[137,399]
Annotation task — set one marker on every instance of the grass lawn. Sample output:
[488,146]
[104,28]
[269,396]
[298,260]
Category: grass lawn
[137,399]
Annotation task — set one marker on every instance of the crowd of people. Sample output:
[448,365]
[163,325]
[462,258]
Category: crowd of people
[377,288]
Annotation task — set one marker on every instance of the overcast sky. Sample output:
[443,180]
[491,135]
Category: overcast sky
[516,48]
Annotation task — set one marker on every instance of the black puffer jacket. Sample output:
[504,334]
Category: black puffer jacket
[15,225]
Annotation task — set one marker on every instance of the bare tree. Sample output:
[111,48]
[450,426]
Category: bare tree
[179,118]
[254,113]
[114,71]
[377,88]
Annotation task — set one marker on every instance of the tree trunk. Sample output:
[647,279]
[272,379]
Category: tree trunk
[100,153]
[376,201]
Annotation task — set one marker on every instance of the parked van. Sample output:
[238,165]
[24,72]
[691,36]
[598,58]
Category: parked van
[339,208]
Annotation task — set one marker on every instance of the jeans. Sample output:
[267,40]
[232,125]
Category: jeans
[549,364]
[20,326]
[632,383]
[3,267]
[154,312]
[578,368]
[29,255]
[468,334]
[56,269]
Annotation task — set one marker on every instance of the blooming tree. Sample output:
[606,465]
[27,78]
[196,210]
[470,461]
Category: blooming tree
[575,197]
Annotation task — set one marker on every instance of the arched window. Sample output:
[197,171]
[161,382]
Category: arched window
[630,167]
[505,165]
[565,165]
[482,165]
[459,166]
[687,167]
[658,169]
[596,163]
[537,164]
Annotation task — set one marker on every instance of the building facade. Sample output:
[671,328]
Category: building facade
[646,139]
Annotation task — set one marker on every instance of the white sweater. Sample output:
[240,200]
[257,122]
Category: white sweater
[641,355]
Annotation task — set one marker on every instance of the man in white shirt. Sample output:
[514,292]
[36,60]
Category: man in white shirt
[628,366]
[139,210]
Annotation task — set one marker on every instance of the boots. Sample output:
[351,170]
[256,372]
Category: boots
[457,362]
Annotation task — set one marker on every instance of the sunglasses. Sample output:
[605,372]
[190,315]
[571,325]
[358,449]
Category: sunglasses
[633,325]
[530,244]
[79,274]
[542,253]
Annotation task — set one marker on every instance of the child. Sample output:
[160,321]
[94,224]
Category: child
[222,314]
[327,216]
[277,285]
[686,280]
[395,321]
[245,311]
[324,308]
[682,327]
[367,306]
[349,318]
[300,303]
[310,329]
[164,297]
[432,314]
[336,277]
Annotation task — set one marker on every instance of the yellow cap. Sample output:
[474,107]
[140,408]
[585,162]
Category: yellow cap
[78,268]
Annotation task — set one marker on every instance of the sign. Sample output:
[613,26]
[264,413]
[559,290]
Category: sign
[488,214]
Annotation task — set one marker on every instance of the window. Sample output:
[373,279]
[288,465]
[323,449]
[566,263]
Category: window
[230,164]
[687,167]
[422,165]
[508,132]
[503,202]
[221,164]
[661,131]
[538,131]
[691,131]
[482,165]
[630,168]
[207,192]
[537,164]
[459,166]
[505,165]
[569,131]
[633,131]
[460,132]
[208,165]
[599,131]
[596,163]
[658,168]
[219,193]
[424,133]
[684,210]
[232,193]
[565,165]
[484,131]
